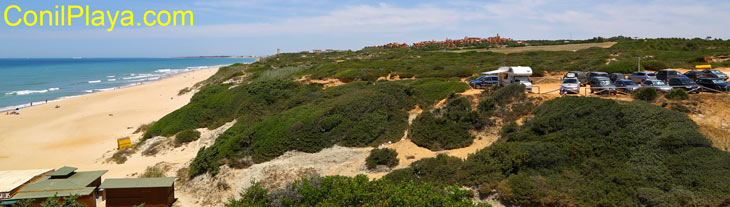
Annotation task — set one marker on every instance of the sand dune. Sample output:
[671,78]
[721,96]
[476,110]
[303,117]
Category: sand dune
[83,128]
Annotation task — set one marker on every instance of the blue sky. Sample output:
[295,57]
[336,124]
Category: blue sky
[259,27]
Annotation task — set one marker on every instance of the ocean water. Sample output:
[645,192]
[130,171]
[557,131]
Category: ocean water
[23,81]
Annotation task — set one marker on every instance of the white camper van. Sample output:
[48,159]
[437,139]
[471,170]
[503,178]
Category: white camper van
[513,74]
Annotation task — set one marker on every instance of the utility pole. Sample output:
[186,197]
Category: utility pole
[638,67]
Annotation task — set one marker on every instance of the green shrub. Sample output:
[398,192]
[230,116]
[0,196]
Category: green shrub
[120,157]
[255,195]
[677,94]
[646,94]
[450,130]
[653,65]
[580,151]
[385,156]
[153,172]
[355,114]
[625,67]
[681,108]
[186,136]
[357,191]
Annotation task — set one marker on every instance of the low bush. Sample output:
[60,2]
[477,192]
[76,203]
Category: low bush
[143,127]
[646,94]
[681,108]
[447,130]
[385,156]
[153,172]
[653,65]
[120,157]
[624,67]
[677,94]
[357,191]
[186,136]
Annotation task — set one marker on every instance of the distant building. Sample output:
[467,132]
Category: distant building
[449,43]
[128,192]
[11,181]
[61,183]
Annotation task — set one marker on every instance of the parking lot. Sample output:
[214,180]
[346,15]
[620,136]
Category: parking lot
[551,84]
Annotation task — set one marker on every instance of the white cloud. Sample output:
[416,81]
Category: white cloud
[522,19]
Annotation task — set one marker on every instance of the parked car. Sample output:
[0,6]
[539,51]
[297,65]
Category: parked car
[712,73]
[695,75]
[581,76]
[616,76]
[684,83]
[484,81]
[627,86]
[601,85]
[640,77]
[593,75]
[713,83]
[665,75]
[570,85]
[658,85]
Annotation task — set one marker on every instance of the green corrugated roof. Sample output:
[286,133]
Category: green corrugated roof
[7,203]
[137,183]
[48,194]
[76,181]
[64,171]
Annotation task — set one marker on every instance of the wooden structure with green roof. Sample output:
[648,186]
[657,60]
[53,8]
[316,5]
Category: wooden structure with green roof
[127,192]
[64,182]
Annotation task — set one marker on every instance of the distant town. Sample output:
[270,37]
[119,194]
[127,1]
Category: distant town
[495,41]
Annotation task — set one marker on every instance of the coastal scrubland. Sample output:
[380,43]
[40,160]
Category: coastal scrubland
[571,151]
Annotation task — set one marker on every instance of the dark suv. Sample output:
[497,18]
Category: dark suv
[713,83]
[685,83]
[593,75]
[712,73]
[601,85]
[695,75]
[616,76]
[665,75]
[484,81]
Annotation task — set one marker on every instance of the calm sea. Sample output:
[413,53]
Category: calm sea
[35,80]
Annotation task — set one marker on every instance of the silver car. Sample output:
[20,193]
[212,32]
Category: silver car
[658,85]
[640,77]
[570,85]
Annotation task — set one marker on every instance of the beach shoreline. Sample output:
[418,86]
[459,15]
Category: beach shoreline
[84,127]
[11,108]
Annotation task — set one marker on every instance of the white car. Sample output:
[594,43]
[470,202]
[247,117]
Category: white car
[570,85]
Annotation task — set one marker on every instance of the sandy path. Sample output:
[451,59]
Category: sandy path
[79,132]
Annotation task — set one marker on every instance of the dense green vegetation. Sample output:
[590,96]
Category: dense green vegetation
[357,191]
[573,152]
[385,156]
[677,94]
[69,201]
[368,64]
[186,136]
[646,94]
[592,152]
[447,128]
[277,116]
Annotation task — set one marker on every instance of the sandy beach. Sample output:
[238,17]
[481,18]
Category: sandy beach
[84,128]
